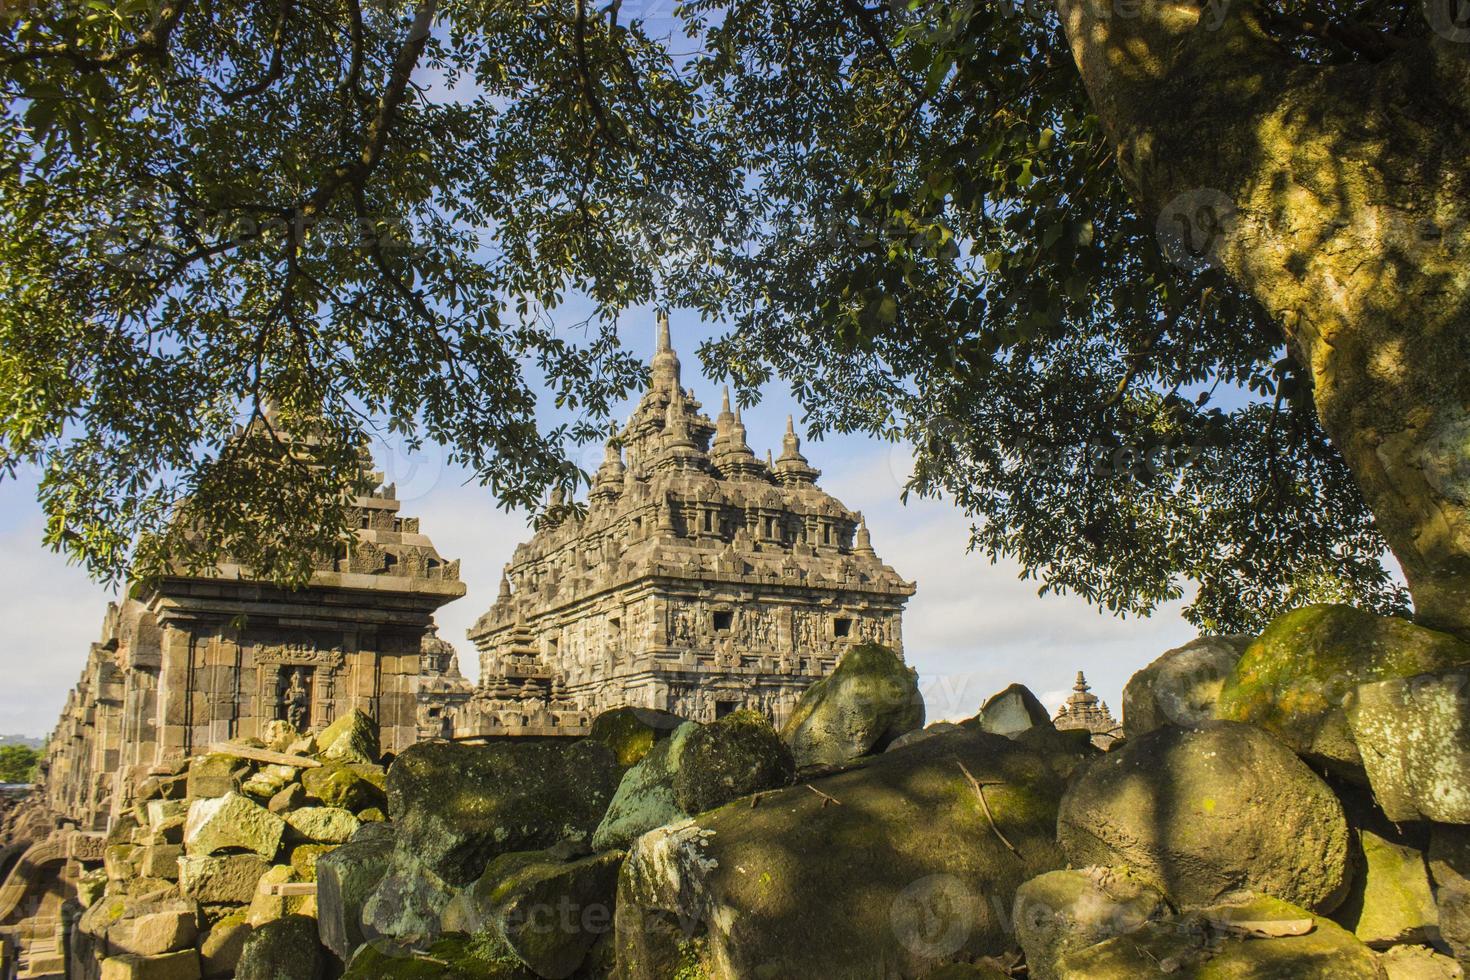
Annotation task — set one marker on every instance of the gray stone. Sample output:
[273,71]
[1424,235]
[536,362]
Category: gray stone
[1182,686]
[224,878]
[1449,870]
[892,862]
[1062,911]
[1011,712]
[344,880]
[1205,945]
[285,949]
[1203,812]
[1414,735]
[323,824]
[1418,963]
[645,795]
[869,700]
[406,905]
[919,734]
[454,807]
[232,822]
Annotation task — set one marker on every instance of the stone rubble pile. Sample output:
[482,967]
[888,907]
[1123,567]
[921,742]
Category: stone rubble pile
[1291,805]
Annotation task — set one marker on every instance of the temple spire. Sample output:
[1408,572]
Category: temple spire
[665,361]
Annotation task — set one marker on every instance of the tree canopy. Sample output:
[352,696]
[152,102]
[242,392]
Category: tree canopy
[18,763]
[911,213]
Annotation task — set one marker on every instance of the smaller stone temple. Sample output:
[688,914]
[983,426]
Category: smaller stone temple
[700,579]
[1084,710]
[202,659]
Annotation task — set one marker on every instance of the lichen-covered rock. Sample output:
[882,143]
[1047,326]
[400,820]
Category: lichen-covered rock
[1390,901]
[1010,712]
[407,903]
[733,757]
[1202,812]
[1294,679]
[347,786]
[219,951]
[645,795]
[267,781]
[181,965]
[1449,870]
[304,858]
[221,878]
[1224,942]
[1182,687]
[323,824]
[868,701]
[449,958]
[232,822]
[215,775]
[454,807]
[351,738]
[1414,736]
[286,949]
[1062,911]
[892,862]
[631,732]
[548,911]
[345,879]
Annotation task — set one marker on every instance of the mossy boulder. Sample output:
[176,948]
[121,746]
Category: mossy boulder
[1414,735]
[229,823]
[868,701]
[548,911]
[1229,942]
[891,862]
[1062,911]
[449,958]
[1390,901]
[407,904]
[1010,712]
[304,858]
[345,878]
[351,738]
[631,732]
[455,807]
[1295,678]
[1182,687]
[645,795]
[286,949]
[322,824]
[733,757]
[351,787]
[1202,812]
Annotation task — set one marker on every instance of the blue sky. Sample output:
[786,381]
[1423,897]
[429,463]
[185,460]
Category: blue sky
[972,628]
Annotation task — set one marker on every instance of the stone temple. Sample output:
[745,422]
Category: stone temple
[700,579]
[199,660]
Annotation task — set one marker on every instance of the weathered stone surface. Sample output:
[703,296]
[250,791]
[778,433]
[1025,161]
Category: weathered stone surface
[869,700]
[919,734]
[548,911]
[344,880]
[1449,870]
[323,824]
[1390,900]
[232,822]
[449,958]
[1414,735]
[304,858]
[1418,963]
[155,927]
[118,863]
[733,757]
[905,869]
[408,902]
[1190,948]
[219,951]
[214,775]
[285,949]
[631,732]
[455,807]
[287,799]
[351,738]
[268,781]
[265,907]
[344,786]
[1295,678]
[645,795]
[1010,712]
[223,878]
[1182,686]
[1062,911]
[183,965]
[1066,750]
[1202,812]
[160,861]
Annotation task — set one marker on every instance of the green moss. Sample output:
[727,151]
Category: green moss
[691,960]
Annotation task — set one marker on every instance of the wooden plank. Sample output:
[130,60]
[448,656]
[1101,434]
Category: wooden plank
[288,889]
[262,755]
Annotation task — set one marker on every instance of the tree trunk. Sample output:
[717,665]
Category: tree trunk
[1339,196]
